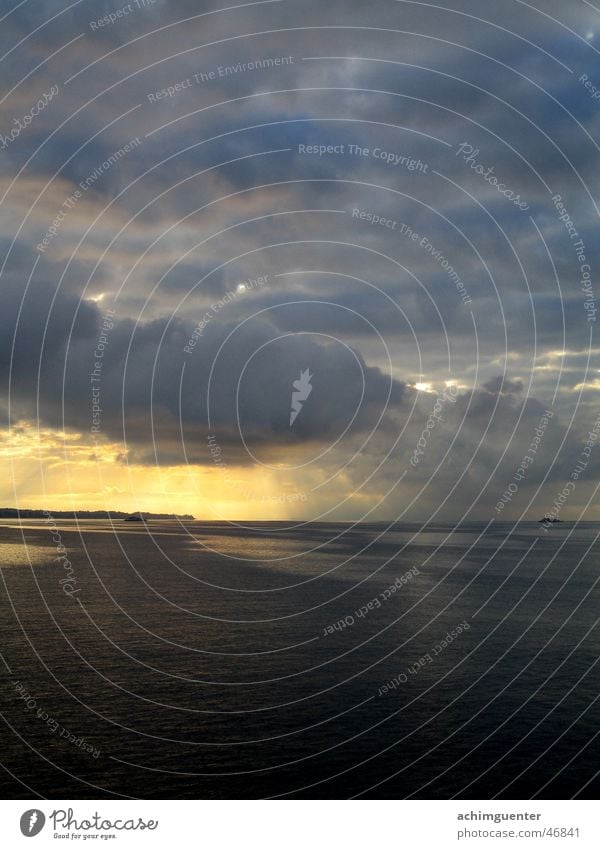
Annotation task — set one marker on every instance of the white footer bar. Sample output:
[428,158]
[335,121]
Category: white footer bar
[301,824]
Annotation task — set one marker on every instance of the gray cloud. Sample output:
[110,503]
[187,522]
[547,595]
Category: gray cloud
[177,224]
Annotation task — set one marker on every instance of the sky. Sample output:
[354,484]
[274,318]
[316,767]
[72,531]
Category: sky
[379,217]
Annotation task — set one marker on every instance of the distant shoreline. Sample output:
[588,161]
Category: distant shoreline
[13,513]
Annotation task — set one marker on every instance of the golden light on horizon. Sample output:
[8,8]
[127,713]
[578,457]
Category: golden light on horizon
[69,471]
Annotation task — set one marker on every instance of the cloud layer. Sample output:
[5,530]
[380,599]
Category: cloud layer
[363,163]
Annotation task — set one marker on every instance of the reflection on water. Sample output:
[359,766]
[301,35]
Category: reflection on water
[217,661]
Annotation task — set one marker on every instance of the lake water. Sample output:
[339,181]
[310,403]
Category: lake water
[214,661]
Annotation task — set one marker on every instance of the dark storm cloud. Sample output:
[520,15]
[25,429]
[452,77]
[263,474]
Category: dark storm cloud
[145,363]
[471,81]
